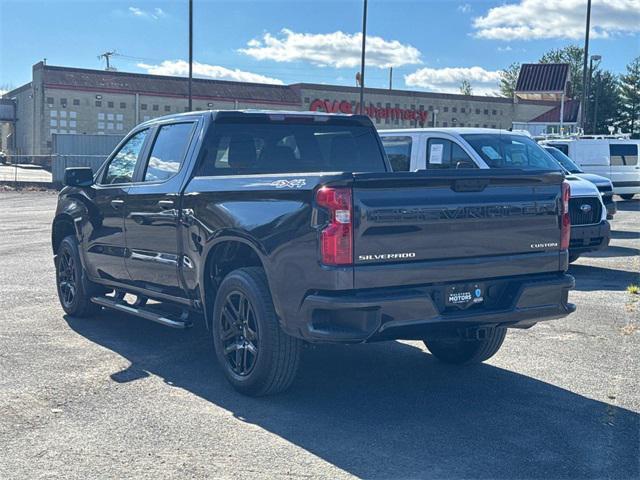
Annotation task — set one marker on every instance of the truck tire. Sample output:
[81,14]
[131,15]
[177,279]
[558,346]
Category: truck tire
[460,351]
[256,356]
[74,289]
[627,196]
[573,257]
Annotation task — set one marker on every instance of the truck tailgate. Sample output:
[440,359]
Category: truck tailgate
[468,217]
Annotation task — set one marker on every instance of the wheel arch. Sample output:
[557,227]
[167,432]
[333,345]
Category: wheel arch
[62,226]
[223,256]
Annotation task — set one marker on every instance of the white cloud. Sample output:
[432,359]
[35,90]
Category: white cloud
[336,49]
[505,49]
[447,80]
[464,8]
[203,70]
[3,91]
[535,19]
[154,14]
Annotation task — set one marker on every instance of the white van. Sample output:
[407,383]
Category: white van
[614,158]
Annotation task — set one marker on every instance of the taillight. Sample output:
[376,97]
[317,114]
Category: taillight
[565,219]
[336,239]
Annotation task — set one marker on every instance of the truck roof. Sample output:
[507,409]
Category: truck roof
[245,112]
[452,130]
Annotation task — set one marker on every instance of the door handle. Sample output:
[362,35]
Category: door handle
[166,204]
[116,204]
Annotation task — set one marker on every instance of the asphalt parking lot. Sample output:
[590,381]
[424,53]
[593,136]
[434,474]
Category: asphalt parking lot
[119,397]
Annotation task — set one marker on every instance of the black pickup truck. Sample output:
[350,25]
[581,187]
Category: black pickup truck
[260,223]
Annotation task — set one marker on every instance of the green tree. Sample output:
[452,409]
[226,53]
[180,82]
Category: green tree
[465,87]
[508,80]
[574,56]
[629,91]
[603,103]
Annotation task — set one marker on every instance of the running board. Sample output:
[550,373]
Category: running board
[121,306]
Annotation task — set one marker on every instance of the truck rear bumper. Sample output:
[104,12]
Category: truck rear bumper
[413,312]
[589,238]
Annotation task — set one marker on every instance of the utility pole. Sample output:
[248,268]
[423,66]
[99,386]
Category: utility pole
[364,43]
[107,56]
[190,53]
[390,78]
[583,102]
[594,130]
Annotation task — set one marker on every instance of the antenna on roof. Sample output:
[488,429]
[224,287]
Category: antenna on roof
[107,56]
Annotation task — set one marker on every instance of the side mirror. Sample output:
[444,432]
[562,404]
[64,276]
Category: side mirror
[78,177]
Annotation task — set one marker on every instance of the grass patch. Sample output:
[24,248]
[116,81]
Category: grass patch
[633,289]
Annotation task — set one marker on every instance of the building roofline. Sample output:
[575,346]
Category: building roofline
[17,90]
[412,93]
[158,77]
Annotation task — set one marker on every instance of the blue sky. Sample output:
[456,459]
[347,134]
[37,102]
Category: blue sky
[432,45]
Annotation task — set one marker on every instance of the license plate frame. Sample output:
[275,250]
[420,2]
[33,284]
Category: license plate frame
[464,295]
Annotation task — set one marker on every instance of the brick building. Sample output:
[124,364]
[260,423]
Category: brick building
[73,101]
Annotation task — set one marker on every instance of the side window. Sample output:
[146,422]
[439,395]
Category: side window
[168,151]
[623,154]
[443,153]
[399,152]
[121,168]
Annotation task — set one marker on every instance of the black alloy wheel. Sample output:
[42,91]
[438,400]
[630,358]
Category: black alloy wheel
[239,333]
[67,282]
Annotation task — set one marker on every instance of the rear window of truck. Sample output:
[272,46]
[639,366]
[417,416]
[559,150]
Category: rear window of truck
[266,146]
[511,151]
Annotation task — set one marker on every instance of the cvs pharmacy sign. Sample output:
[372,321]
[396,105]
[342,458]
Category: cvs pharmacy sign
[392,113]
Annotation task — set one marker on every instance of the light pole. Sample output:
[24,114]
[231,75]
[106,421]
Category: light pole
[584,67]
[597,58]
[435,116]
[190,52]
[364,44]
[595,108]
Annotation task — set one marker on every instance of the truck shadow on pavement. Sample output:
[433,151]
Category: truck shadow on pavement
[389,410]
[589,278]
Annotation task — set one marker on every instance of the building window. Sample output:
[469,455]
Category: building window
[462,124]
[485,126]
[109,116]
[63,123]
[494,112]
[446,109]
[100,116]
[53,113]
[167,108]
[123,105]
[110,104]
[98,103]
[454,109]
[462,110]
[48,143]
[306,100]
[72,114]
[53,122]
[118,126]
[72,123]
[143,106]
[493,126]
[63,102]
[76,101]
[445,124]
[155,108]
[109,126]
[477,125]
[63,114]
[431,108]
[486,111]
[477,111]
[49,100]
[101,125]
[119,117]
